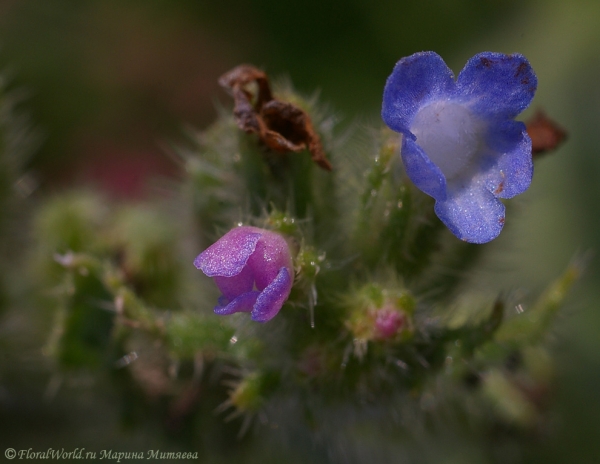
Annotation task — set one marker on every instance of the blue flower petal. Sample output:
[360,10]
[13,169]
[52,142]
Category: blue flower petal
[496,86]
[272,298]
[511,165]
[422,171]
[415,80]
[472,213]
[243,303]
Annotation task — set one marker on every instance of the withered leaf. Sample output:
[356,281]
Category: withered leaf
[280,125]
[245,74]
[546,135]
[286,126]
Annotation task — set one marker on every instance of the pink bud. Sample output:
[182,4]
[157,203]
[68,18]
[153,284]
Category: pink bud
[388,322]
[253,269]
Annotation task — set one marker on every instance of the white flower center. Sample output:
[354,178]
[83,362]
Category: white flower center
[450,135]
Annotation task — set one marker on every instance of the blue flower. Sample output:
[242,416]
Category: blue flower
[460,142]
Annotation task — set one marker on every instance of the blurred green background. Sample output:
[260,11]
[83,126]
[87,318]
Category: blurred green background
[108,82]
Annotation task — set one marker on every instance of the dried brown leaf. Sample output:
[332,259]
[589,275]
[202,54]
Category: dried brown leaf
[546,135]
[281,126]
[245,74]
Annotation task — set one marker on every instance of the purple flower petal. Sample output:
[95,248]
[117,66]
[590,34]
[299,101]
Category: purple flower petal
[415,80]
[422,171]
[472,213]
[496,86]
[228,256]
[243,303]
[271,299]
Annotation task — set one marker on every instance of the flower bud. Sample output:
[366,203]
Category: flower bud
[381,314]
[253,269]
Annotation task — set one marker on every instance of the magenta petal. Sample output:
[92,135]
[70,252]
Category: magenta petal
[233,286]
[271,254]
[388,322]
[228,256]
[272,298]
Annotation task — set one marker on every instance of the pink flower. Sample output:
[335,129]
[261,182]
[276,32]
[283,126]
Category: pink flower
[253,269]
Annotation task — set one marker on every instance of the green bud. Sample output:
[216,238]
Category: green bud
[282,223]
[308,263]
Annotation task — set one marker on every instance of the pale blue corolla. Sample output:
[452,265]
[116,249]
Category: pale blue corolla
[461,144]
